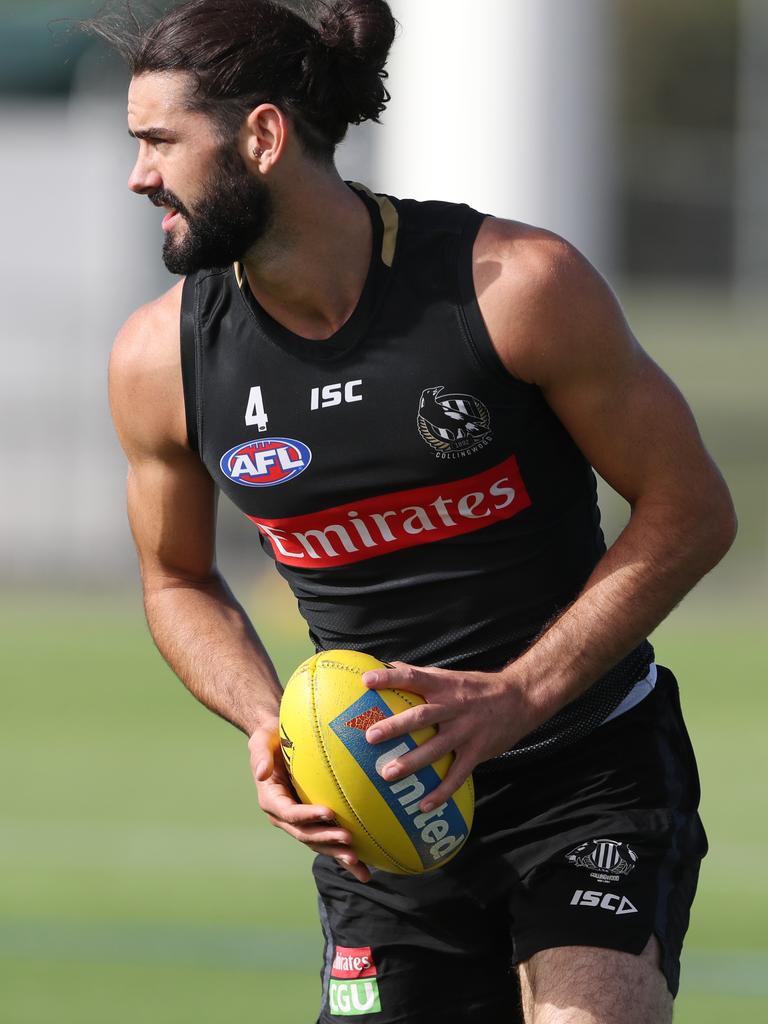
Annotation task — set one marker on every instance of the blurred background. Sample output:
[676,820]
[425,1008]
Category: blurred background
[137,880]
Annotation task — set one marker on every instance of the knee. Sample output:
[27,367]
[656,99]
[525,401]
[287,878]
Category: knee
[582,984]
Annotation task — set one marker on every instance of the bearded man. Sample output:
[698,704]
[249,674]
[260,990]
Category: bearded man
[408,401]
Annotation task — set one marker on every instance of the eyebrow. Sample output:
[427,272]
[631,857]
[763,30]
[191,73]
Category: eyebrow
[152,133]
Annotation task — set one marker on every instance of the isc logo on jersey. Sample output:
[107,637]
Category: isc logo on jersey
[266,462]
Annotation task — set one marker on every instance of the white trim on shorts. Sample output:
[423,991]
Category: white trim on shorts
[639,692]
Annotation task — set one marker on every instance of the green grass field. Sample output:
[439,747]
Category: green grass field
[139,882]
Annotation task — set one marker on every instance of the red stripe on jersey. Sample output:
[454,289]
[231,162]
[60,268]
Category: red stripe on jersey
[403,519]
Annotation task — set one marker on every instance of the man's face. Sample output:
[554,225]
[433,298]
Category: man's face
[217,209]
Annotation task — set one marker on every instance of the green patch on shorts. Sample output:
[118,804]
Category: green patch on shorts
[353,998]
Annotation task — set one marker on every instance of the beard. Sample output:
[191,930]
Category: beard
[233,213]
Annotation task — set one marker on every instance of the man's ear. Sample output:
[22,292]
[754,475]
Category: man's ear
[266,132]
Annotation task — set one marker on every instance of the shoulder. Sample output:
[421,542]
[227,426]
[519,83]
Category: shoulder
[543,302]
[146,391]
[149,335]
[529,259]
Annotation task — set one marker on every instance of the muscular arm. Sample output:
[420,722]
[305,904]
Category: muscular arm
[555,323]
[198,626]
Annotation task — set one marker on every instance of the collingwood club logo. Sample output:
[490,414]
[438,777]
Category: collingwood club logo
[453,425]
[609,859]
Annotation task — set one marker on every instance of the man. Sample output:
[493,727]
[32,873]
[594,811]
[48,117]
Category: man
[406,400]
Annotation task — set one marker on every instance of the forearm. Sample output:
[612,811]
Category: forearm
[655,562]
[206,637]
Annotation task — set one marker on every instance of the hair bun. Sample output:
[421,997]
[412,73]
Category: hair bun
[344,66]
[360,29]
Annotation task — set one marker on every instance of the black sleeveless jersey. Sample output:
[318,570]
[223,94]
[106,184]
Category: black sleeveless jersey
[422,504]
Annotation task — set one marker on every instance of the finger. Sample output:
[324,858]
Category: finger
[334,839]
[455,777]
[336,843]
[280,803]
[356,868]
[420,757]
[419,717]
[261,747]
[316,831]
[330,845]
[407,677]
[309,829]
[263,768]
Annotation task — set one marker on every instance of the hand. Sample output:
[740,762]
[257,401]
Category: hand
[478,715]
[312,825]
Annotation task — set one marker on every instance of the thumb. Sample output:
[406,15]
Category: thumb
[262,757]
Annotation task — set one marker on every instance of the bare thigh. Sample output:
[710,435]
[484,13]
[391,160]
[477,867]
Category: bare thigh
[586,985]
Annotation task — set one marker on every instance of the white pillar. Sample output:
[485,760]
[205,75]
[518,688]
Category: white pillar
[506,105]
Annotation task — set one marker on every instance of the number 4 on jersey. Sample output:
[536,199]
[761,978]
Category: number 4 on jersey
[255,414]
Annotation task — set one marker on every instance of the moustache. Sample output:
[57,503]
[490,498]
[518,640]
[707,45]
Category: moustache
[168,199]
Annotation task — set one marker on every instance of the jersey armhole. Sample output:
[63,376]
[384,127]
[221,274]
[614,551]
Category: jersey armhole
[190,362]
[478,338]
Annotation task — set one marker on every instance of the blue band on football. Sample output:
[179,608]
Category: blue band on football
[434,834]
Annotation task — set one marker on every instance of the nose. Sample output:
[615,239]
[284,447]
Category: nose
[143,179]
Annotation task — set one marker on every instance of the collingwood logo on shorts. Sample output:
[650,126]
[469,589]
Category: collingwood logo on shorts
[608,858]
[453,425]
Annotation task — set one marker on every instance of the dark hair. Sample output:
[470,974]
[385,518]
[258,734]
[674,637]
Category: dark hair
[325,75]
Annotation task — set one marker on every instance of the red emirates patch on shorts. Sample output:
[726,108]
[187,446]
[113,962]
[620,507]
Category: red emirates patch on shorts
[350,963]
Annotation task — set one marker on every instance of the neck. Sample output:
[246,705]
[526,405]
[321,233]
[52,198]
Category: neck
[310,268]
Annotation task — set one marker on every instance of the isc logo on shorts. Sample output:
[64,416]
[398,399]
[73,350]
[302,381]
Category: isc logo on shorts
[604,901]
[353,989]
[266,462]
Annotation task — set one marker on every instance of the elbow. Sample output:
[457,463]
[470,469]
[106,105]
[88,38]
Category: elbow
[719,525]
[729,526]
[158,580]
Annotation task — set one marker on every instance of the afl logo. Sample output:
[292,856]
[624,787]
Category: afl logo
[266,462]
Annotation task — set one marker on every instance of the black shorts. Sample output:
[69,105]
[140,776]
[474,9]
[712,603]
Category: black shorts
[597,844]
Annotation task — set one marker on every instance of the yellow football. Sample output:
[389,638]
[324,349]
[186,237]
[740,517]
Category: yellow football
[324,714]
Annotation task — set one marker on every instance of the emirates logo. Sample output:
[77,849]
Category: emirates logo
[390,522]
